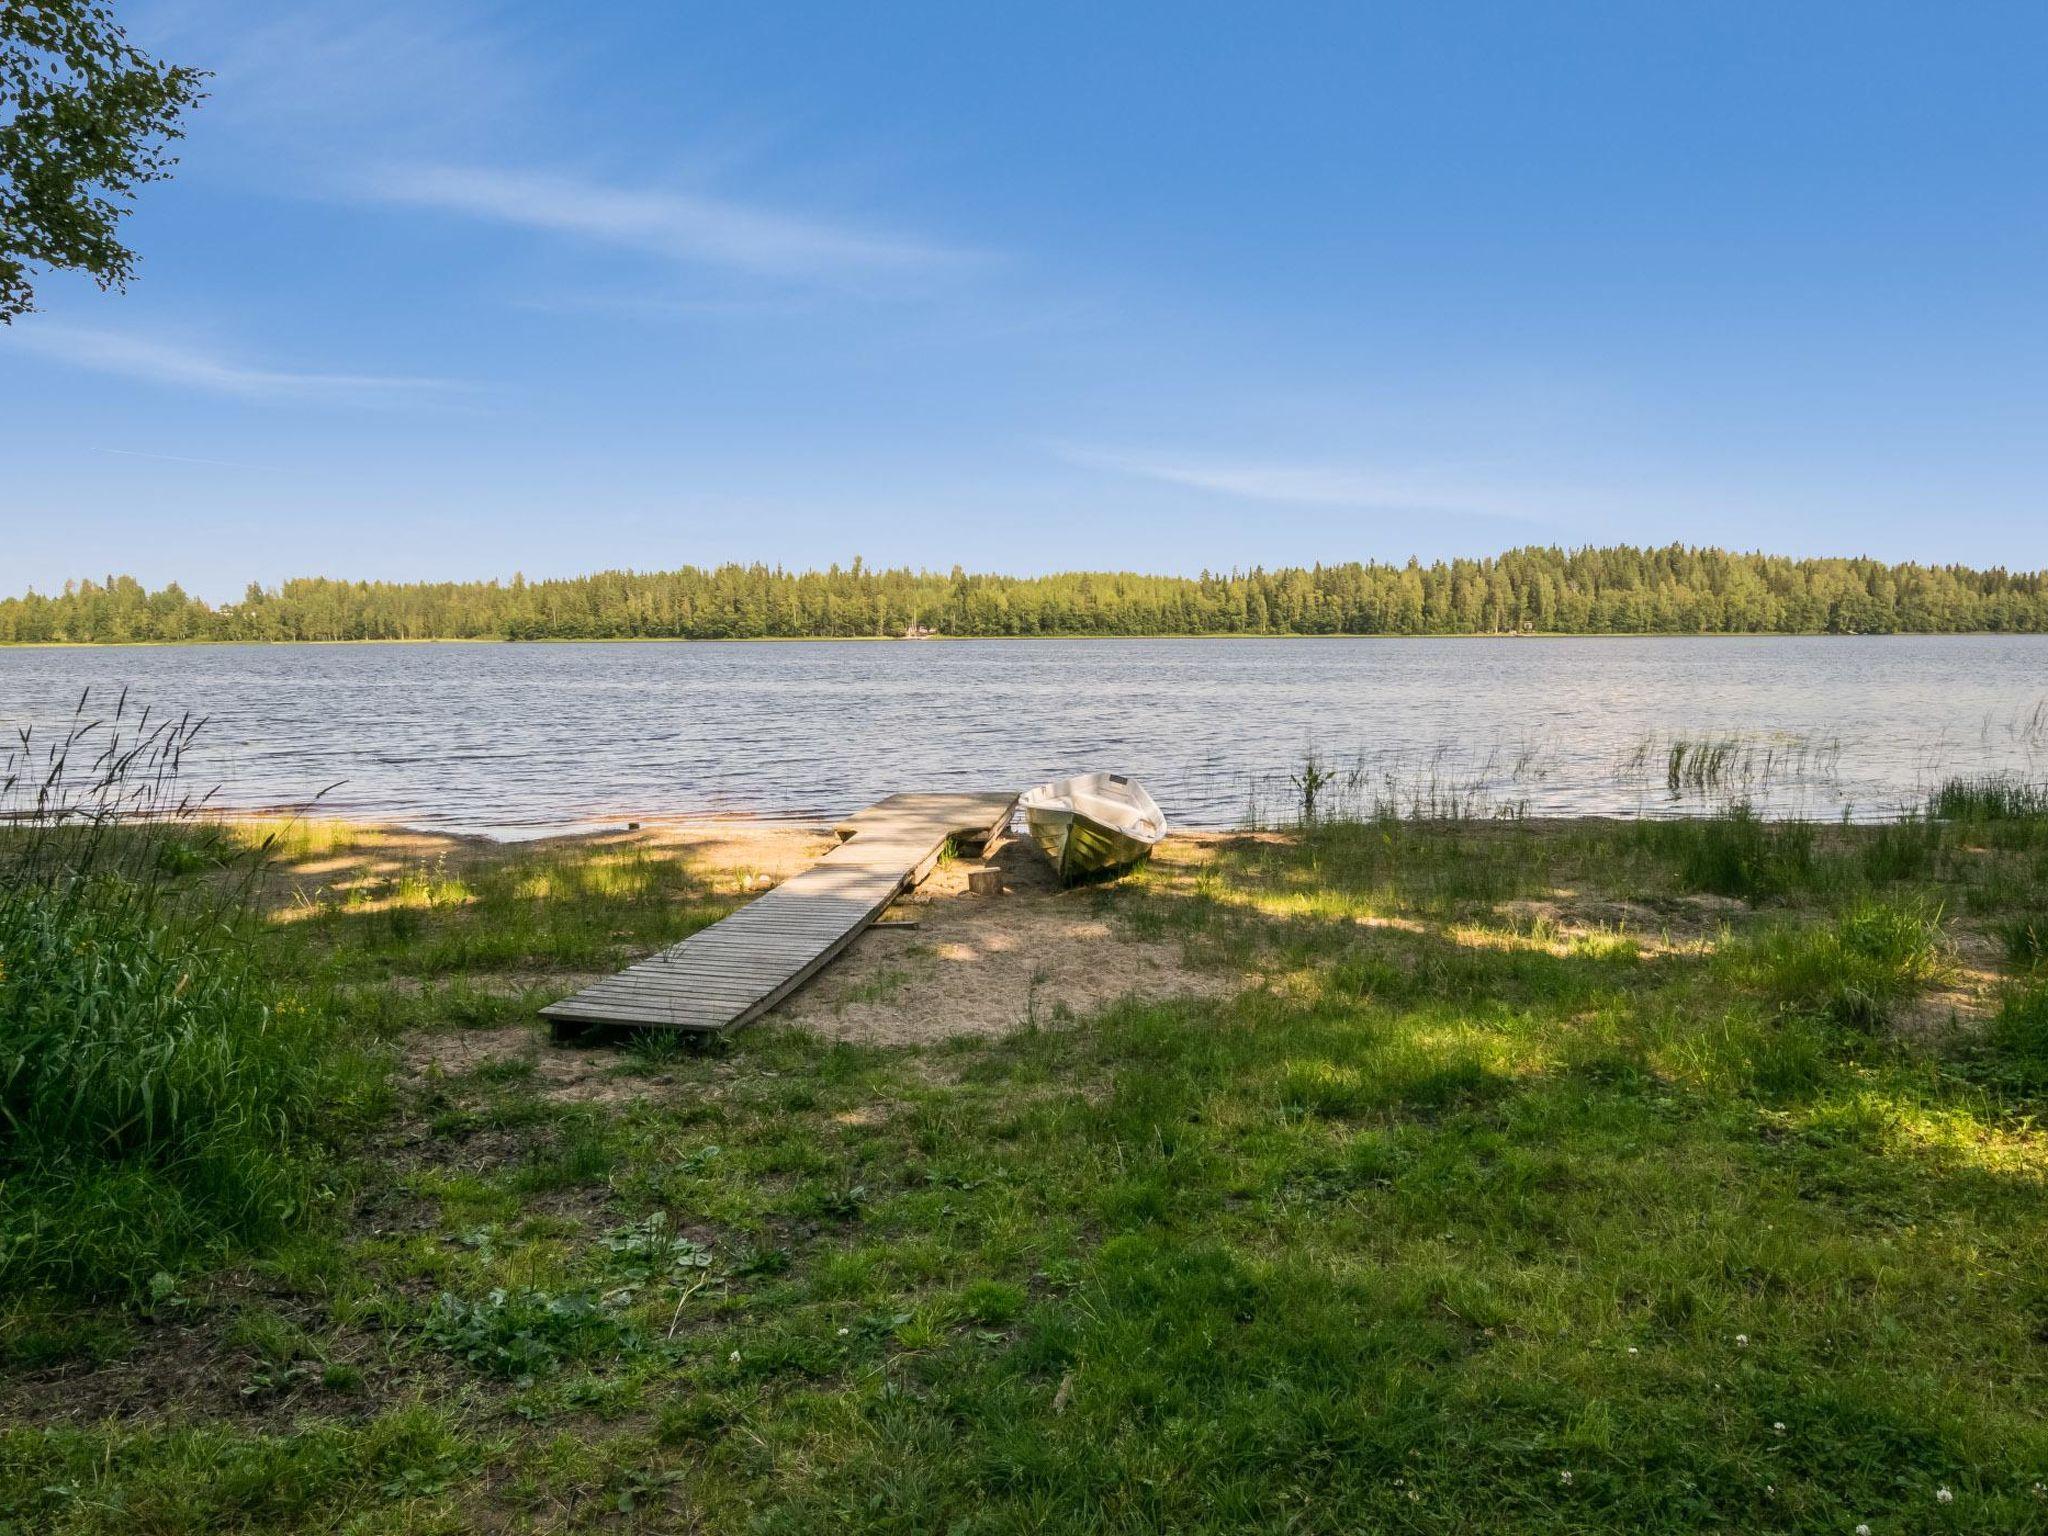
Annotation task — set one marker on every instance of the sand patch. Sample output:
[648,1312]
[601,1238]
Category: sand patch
[972,965]
[498,983]
[1967,998]
[570,1076]
[1675,925]
[727,855]
[738,853]
[986,965]
[1946,1011]
[459,1052]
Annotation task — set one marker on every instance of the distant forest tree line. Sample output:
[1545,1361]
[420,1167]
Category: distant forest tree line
[1621,590]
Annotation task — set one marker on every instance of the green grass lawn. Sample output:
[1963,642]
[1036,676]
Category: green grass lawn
[1573,1178]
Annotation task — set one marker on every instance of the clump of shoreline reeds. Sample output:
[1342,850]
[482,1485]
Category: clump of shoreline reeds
[1310,782]
[1444,786]
[1990,798]
[159,1097]
[1699,766]
[1735,766]
[1736,853]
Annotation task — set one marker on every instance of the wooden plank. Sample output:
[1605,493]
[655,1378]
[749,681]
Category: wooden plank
[698,986]
[823,908]
[676,975]
[572,1012]
[757,934]
[740,945]
[828,917]
[711,1007]
[769,933]
[723,965]
[728,958]
[708,988]
[768,957]
[733,971]
[711,1015]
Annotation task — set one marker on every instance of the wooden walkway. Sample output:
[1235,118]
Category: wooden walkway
[739,968]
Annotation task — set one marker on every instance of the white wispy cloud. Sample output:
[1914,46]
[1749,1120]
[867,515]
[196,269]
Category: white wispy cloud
[678,225]
[779,305]
[174,458]
[1298,483]
[323,81]
[161,361]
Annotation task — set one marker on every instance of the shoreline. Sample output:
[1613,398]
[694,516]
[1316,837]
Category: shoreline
[742,826]
[1202,635]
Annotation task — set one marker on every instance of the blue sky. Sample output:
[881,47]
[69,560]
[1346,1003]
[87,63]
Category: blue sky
[455,289]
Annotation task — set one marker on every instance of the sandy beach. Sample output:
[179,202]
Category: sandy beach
[947,963]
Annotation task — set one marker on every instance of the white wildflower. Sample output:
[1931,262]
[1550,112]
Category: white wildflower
[1742,1341]
[1633,1350]
[1943,1496]
[844,1332]
[734,1357]
[1779,1427]
[1863,1529]
[1565,1478]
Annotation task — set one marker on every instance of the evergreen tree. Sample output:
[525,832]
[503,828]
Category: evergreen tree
[1676,590]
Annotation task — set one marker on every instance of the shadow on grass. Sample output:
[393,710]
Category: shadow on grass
[1449,1202]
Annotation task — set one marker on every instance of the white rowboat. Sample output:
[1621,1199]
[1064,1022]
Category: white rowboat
[1093,823]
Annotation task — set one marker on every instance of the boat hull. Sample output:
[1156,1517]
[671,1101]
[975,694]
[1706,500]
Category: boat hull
[1079,846]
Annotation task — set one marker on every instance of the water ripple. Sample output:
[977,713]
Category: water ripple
[480,737]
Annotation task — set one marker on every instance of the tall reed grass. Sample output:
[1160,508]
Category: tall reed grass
[2015,1048]
[1758,768]
[1439,786]
[1736,853]
[162,1103]
[1992,798]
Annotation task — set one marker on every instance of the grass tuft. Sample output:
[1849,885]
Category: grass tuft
[1989,799]
[1736,854]
[162,1100]
[2026,940]
[1897,851]
[523,1334]
[1854,972]
[2017,1042]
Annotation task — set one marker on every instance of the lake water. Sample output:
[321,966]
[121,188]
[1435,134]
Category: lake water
[517,739]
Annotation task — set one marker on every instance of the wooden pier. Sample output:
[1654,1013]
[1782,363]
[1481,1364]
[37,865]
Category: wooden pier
[738,969]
